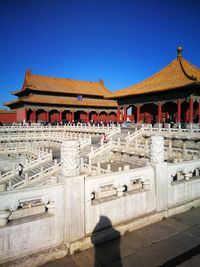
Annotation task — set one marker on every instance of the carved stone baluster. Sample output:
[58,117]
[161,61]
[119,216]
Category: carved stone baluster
[4,216]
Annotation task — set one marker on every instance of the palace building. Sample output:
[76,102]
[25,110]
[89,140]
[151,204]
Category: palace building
[50,99]
[172,94]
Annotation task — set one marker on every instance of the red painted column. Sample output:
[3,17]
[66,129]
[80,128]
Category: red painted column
[191,111]
[87,118]
[178,111]
[118,114]
[60,116]
[199,110]
[132,114]
[106,117]
[72,117]
[125,114]
[138,113]
[25,115]
[47,117]
[159,112]
[34,116]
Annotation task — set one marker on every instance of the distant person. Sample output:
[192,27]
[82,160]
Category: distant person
[105,138]
[21,167]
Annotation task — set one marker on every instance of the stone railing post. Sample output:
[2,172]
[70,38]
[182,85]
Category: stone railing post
[101,142]
[191,127]
[146,145]
[91,149]
[26,178]
[10,187]
[41,170]
[90,139]
[118,142]
[51,153]
[170,148]
[108,167]
[81,164]
[127,144]
[98,168]
[73,192]
[183,150]
[136,144]
[161,171]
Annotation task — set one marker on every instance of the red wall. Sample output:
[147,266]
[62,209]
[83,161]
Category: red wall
[68,116]
[112,117]
[55,117]
[103,117]
[41,115]
[31,116]
[7,117]
[83,116]
[94,116]
[21,115]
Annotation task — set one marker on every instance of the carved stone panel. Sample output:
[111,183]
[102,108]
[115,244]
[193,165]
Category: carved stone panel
[70,158]
[157,149]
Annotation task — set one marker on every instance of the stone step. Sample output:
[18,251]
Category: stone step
[47,164]
[15,180]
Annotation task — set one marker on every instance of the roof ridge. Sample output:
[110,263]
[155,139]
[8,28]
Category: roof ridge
[188,75]
[169,77]
[62,78]
[147,79]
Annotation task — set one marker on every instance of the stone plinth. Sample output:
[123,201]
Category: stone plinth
[4,215]
[157,149]
[70,158]
[2,187]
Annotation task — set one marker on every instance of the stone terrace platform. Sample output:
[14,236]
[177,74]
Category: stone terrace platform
[171,242]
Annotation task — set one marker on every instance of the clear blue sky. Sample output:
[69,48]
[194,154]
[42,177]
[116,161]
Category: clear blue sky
[119,41]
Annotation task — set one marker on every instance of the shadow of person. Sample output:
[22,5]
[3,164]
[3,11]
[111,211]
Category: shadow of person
[106,241]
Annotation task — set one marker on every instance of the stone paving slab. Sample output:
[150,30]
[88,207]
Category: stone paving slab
[132,242]
[83,259]
[195,231]
[158,231]
[65,262]
[167,249]
[175,223]
[171,242]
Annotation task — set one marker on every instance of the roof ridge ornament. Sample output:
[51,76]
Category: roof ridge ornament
[28,72]
[179,50]
[179,57]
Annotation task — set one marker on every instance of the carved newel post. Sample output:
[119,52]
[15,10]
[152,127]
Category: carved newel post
[157,149]
[70,158]
[161,171]
[74,185]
